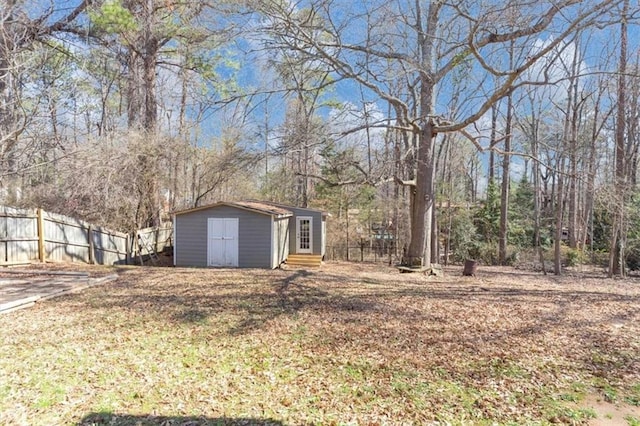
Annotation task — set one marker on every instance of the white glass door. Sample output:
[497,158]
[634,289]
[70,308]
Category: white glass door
[304,234]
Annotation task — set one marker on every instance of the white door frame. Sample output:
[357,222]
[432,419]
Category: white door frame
[226,243]
[302,246]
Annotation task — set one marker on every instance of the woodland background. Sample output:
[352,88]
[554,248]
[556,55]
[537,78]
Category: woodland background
[495,131]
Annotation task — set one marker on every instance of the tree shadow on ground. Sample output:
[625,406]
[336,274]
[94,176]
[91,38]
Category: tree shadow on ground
[113,419]
[593,326]
[339,295]
[237,304]
[292,295]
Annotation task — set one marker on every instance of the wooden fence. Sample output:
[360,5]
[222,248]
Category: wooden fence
[28,235]
[157,240]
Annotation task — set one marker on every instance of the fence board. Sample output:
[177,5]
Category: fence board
[22,251]
[109,247]
[22,227]
[18,235]
[15,212]
[61,252]
[65,239]
[63,229]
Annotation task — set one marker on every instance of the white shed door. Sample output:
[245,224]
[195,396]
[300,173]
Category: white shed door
[222,249]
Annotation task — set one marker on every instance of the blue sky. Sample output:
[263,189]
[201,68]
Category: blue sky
[252,70]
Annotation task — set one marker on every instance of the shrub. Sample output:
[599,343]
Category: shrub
[574,257]
[513,256]
[464,242]
[633,257]
[486,253]
[600,258]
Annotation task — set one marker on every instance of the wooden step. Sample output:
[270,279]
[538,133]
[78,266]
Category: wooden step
[311,260]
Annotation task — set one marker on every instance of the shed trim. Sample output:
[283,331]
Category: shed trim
[175,240]
[271,244]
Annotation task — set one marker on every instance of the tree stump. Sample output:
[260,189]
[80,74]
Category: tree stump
[470,268]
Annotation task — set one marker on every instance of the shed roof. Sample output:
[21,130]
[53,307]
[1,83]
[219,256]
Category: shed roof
[267,208]
[272,203]
[255,206]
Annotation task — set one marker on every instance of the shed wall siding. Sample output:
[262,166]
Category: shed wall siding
[317,229]
[254,237]
[280,249]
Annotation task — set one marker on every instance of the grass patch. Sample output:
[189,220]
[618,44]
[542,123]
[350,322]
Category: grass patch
[346,344]
[633,395]
[614,392]
[576,393]
[565,411]
[632,420]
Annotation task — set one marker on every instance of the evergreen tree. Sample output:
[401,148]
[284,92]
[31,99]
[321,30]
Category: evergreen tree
[522,214]
[488,216]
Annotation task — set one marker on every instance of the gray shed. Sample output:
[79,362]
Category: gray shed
[243,234]
[248,234]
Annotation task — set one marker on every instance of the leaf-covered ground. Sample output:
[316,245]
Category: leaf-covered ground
[345,344]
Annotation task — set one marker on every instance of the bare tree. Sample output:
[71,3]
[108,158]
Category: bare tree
[21,31]
[429,44]
[618,238]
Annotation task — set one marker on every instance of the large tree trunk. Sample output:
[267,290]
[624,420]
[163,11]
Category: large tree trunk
[135,83]
[419,251]
[150,97]
[142,59]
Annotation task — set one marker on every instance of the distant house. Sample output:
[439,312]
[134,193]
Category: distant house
[249,234]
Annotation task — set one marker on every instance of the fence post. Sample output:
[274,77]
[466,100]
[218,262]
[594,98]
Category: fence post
[40,219]
[127,251]
[92,258]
